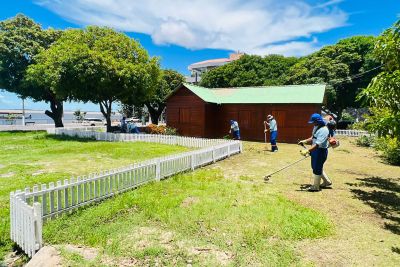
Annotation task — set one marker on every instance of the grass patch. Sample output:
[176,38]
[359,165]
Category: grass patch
[29,158]
[224,217]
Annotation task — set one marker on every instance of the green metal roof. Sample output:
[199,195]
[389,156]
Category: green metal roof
[295,94]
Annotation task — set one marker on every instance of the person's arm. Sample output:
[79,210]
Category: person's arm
[307,141]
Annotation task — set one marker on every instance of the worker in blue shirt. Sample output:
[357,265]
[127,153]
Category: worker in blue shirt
[273,129]
[318,150]
[235,131]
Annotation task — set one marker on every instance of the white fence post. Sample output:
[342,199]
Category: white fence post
[192,162]
[38,225]
[158,170]
[213,154]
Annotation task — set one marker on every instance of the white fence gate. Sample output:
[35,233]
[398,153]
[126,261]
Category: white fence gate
[30,207]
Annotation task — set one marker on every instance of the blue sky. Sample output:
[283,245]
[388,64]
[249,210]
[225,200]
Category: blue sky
[181,32]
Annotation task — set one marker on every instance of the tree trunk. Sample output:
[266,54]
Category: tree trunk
[155,113]
[56,112]
[105,108]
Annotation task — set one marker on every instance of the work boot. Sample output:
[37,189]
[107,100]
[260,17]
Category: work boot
[326,181]
[315,186]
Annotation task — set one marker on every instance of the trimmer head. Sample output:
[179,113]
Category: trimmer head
[266,178]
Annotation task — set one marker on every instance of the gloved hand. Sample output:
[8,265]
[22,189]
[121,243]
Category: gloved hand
[302,142]
[305,152]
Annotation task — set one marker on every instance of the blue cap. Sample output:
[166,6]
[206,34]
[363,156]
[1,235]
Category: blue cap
[317,118]
[232,121]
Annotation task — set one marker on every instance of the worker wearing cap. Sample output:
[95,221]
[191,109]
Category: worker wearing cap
[235,129]
[273,129]
[318,150]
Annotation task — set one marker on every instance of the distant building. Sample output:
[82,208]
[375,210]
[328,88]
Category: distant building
[198,68]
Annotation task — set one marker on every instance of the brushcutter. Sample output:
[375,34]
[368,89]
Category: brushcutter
[266,177]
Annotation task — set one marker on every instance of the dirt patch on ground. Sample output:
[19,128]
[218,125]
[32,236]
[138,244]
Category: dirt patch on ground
[210,253]
[85,252]
[189,201]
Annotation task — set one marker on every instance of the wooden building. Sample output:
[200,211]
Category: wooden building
[203,112]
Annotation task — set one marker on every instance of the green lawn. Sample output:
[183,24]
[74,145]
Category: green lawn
[35,158]
[198,217]
[222,214]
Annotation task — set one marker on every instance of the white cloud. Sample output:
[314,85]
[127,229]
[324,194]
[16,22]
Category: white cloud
[229,24]
[293,48]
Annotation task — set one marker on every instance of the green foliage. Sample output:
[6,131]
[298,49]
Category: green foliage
[79,115]
[347,117]
[338,65]
[21,40]
[155,103]
[390,148]
[171,131]
[250,71]
[383,94]
[365,141]
[99,65]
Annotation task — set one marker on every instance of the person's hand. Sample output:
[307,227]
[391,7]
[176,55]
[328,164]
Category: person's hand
[305,152]
[265,131]
[302,142]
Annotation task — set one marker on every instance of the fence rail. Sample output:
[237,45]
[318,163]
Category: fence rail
[351,133]
[29,208]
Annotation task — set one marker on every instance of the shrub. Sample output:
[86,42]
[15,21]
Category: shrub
[348,117]
[155,129]
[171,131]
[390,148]
[365,141]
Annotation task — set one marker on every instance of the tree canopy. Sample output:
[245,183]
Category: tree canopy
[21,40]
[97,64]
[383,93]
[155,104]
[250,70]
[345,67]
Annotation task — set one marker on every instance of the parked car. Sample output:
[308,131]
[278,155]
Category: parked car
[93,122]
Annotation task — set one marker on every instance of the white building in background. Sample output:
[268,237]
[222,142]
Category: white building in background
[198,68]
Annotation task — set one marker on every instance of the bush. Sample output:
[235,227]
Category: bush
[365,141]
[155,129]
[161,129]
[347,117]
[390,148]
[171,131]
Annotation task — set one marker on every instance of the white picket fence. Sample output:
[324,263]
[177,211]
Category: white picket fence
[351,133]
[29,208]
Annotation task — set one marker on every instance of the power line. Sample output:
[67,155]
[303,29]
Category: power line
[356,76]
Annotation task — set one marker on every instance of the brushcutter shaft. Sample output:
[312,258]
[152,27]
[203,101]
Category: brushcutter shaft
[287,166]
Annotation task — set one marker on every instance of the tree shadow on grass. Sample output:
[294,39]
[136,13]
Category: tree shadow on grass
[383,195]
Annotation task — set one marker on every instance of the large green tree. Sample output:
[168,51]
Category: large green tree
[250,70]
[170,79]
[21,40]
[383,93]
[97,64]
[346,67]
